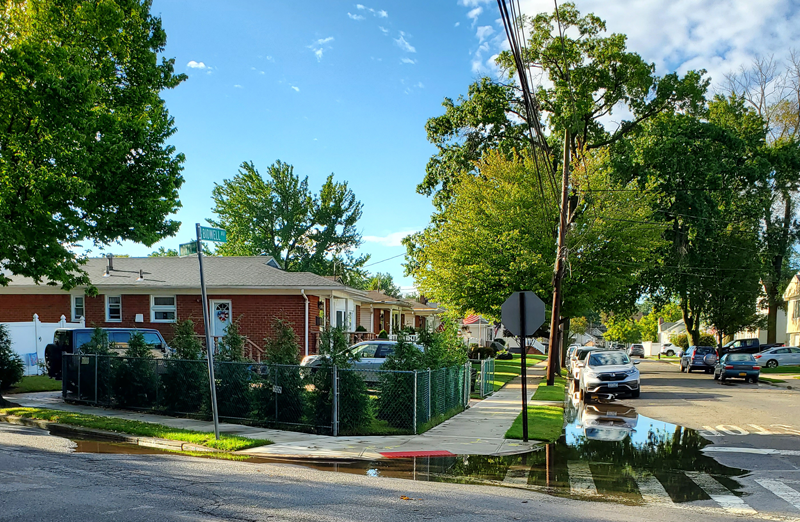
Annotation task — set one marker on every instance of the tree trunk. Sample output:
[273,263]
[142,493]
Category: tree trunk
[774,299]
[692,327]
[553,366]
[564,340]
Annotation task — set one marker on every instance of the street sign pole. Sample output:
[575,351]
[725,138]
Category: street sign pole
[524,367]
[209,347]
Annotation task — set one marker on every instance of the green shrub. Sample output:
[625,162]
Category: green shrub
[232,375]
[707,340]
[282,353]
[185,381]
[682,340]
[11,367]
[481,352]
[135,379]
[354,408]
[396,401]
[360,328]
[106,366]
[443,346]
[383,335]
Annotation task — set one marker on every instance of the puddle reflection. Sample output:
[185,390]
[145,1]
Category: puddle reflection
[606,452]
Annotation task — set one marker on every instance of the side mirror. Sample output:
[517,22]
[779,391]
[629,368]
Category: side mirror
[580,365]
[636,362]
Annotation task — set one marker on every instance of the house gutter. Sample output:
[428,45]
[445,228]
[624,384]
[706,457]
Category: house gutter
[302,291]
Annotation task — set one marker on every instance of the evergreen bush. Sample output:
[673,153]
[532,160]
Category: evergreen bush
[383,335]
[185,381]
[135,378]
[233,375]
[11,367]
[106,367]
[396,401]
[282,353]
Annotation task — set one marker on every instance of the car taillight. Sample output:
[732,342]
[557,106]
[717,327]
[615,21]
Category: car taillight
[729,367]
[756,367]
[757,357]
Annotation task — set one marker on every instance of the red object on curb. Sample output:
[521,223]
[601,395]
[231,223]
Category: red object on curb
[409,454]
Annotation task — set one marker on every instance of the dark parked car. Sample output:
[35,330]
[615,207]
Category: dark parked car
[737,365]
[636,350]
[699,358]
[71,341]
[746,346]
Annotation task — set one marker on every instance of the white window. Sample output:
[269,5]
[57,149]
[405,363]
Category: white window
[114,308]
[796,310]
[78,309]
[163,309]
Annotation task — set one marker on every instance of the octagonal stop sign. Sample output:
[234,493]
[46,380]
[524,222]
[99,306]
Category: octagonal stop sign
[521,305]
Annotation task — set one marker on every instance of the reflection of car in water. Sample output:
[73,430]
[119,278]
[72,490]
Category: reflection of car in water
[612,422]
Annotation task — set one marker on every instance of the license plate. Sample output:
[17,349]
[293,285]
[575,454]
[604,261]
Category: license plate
[612,385]
[742,374]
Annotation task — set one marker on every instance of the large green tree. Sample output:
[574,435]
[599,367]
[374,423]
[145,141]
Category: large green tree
[496,235]
[281,217]
[83,133]
[705,171]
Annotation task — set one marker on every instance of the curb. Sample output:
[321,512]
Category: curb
[67,430]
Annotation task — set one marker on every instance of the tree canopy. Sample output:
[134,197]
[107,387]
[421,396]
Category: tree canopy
[83,133]
[281,217]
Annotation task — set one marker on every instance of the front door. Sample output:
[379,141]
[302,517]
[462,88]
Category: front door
[220,317]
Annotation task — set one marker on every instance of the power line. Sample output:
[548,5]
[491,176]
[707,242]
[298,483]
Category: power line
[382,260]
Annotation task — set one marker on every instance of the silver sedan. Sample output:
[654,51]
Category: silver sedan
[779,356]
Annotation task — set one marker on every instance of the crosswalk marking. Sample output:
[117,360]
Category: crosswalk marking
[720,494]
[651,489]
[580,478]
[780,489]
[754,451]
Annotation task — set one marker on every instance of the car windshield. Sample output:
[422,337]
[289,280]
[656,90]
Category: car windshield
[740,357]
[581,354]
[702,350]
[608,359]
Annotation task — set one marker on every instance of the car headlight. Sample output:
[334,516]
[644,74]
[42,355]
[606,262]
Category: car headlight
[632,371]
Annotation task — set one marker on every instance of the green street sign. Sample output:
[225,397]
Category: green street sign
[213,234]
[187,249]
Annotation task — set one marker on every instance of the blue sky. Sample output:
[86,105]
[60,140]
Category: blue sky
[334,86]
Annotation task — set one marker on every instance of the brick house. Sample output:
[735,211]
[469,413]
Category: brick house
[154,292]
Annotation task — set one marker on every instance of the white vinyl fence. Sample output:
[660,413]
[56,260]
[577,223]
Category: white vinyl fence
[29,339]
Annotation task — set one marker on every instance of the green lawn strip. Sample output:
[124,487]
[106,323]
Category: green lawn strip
[35,383]
[550,393]
[141,429]
[767,379]
[544,423]
[782,369]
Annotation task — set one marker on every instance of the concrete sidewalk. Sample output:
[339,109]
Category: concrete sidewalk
[479,430]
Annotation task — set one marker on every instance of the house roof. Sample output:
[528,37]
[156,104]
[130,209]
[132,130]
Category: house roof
[183,272]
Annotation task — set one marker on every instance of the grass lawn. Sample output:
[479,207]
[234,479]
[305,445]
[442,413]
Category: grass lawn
[550,393]
[142,429]
[782,369]
[767,379]
[544,423]
[35,383]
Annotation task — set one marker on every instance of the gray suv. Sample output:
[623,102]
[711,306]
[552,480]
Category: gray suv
[71,341]
[369,355]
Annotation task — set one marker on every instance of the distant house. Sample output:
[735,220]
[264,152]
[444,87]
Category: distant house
[667,330]
[792,298]
[477,330]
[155,292]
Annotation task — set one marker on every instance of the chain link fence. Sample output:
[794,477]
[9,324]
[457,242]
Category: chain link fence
[483,371]
[325,399]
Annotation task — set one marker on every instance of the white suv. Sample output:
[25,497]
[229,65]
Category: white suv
[610,373]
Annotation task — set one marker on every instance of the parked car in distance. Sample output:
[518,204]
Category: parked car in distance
[699,358]
[737,365]
[746,346]
[611,373]
[608,422]
[367,355]
[71,341]
[578,357]
[670,350]
[636,350]
[568,357]
[781,356]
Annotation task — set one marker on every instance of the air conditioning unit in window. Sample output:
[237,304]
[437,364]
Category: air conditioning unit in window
[139,318]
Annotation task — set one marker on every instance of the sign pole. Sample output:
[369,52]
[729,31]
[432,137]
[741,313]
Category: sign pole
[524,367]
[209,347]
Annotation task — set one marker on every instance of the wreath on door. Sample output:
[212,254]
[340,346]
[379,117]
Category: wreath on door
[223,315]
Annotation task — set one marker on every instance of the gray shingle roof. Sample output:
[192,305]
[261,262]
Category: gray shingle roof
[183,272]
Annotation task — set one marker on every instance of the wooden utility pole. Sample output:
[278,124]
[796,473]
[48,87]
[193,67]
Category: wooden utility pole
[553,359]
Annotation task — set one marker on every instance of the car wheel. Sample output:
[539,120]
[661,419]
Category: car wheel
[683,370]
[716,376]
[722,378]
[772,363]
[754,380]
[689,369]
[670,353]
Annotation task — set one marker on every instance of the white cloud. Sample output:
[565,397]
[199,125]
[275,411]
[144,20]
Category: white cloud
[323,41]
[297,89]
[403,44]
[355,16]
[457,24]
[383,29]
[318,54]
[390,240]
[196,65]
[238,86]
[474,14]
[381,14]
[359,6]
[261,72]
[472,3]
[484,32]
[270,58]
[317,48]
[407,60]
[420,85]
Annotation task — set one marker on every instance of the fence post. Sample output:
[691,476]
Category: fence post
[415,402]
[63,376]
[275,383]
[429,394]
[335,393]
[465,383]
[96,362]
[157,379]
[80,360]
